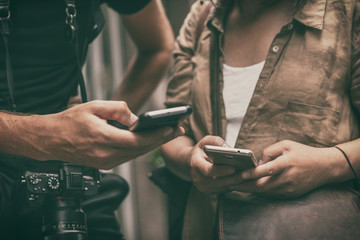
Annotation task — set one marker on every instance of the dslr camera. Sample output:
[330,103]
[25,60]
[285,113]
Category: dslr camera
[59,194]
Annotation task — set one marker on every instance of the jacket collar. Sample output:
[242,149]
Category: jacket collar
[216,17]
[311,15]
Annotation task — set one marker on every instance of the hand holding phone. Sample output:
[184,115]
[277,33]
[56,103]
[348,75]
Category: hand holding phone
[240,159]
[158,118]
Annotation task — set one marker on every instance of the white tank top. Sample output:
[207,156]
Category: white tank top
[239,85]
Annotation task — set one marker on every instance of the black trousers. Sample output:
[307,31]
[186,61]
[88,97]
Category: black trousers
[99,209]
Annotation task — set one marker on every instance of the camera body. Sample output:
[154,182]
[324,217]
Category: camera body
[70,180]
[58,193]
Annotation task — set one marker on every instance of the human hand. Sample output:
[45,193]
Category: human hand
[81,135]
[205,176]
[289,169]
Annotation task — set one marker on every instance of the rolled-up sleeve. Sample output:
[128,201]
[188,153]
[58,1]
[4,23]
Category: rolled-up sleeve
[355,87]
[179,88]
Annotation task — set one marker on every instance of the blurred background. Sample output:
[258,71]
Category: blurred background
[143,214]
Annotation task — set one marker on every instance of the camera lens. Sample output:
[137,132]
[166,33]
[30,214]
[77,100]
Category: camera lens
[64,219]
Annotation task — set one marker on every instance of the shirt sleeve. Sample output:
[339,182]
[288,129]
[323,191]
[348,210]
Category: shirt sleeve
[355,87]
[127,6]
[181,76]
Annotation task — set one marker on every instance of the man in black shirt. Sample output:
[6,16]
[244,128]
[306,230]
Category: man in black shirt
[46,69]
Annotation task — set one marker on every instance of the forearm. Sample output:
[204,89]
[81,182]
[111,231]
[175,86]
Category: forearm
[81,135]
[23,135]
[153,37]
[176,154]
[143,76]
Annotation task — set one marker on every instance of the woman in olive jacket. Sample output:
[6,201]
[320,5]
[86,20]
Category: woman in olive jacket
[301,60]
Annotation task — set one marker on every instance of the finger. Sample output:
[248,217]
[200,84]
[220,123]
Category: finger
[255,186]
[273,186]
[219,171]
[113,110]
[272,152]
[146,140]
[211,140]
[210,176]
[205,168]
[271,168]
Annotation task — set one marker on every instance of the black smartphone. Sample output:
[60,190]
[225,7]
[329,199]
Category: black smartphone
[157,118]
[239,158]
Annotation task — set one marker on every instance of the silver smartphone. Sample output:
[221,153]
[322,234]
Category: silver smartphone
[239,158]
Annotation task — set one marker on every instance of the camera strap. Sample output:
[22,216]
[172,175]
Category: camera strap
[5,31]
[70,35]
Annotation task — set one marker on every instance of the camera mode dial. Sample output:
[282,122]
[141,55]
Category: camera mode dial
[33,179]
[53,183]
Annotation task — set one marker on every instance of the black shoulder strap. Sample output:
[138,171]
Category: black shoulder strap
[71,34]
[4,6]
[98,21]
[5,31]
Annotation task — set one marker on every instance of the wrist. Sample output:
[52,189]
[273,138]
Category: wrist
[33,134]
[18,134]
[349,163]
[187,155]
[340,169]
[177,155]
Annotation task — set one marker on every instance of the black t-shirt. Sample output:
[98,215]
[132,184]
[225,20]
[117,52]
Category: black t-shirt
[44,63]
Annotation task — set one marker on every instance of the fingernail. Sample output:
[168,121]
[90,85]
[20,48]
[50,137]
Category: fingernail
[219,141]
[133,118]
[245,175]
[261,162]
[226,145]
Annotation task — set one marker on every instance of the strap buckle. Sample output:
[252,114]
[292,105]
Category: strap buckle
[4,20]
[4,13]
[70,31]
[70,14]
